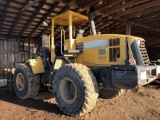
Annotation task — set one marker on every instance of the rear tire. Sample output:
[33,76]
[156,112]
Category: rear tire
[25,83]
[105,80]
[108,94]
[76,89]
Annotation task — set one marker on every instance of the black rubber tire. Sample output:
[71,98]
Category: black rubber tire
[109,94]
[85,84]
[31,82]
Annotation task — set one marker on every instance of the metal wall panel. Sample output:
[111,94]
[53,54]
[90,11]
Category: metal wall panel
[13,52]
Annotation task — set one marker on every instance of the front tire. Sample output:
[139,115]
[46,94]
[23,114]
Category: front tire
[76,89]
[25,83]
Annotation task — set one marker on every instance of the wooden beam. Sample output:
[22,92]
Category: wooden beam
[50,24]
[86,3]
[4,14]
[154,52]
[148,16]
[143,12]
[155,43]
[33,16]
[138,8]
[123,6]
[137,24]
[45,17]
[107,4]
[7,37]
[17,19]
[113,27]
[29,5]
[128,28]
[68,1]
[151,21]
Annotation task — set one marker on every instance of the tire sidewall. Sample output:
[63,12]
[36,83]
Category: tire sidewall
[77,105]
[21,93]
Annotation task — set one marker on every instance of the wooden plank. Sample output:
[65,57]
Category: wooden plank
[107,5]
[123,6]
[17,19]
[143,12]
[31,4]
[49,25]
[138,8]
[33,16]
[45,17]
[86,3]
[4,14]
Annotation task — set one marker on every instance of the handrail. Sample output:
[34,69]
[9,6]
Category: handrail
[62,35]
[49,41]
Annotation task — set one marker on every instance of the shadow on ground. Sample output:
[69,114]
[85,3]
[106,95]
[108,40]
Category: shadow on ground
[43,101]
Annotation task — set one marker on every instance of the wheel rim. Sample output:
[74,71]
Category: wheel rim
[68,90]
[20,81]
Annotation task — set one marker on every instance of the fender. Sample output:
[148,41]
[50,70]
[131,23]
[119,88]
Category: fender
[36,65]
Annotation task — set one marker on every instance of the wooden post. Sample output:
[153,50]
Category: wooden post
[128,28]
[29,48]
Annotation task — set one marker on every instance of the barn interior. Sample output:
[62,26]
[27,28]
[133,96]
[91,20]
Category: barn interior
[21,24]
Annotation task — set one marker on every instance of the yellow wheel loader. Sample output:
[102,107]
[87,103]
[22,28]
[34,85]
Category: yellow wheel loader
[77,69]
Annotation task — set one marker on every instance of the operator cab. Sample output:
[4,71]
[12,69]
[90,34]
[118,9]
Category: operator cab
[66,39]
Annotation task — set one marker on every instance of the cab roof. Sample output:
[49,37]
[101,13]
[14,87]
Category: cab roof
[63,19]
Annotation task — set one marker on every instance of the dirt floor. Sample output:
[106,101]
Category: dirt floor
[141,104]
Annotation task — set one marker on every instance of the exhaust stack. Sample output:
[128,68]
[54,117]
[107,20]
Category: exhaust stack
[91,21]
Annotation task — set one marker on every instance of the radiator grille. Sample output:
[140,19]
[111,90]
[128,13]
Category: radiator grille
[143,52]
[114,53]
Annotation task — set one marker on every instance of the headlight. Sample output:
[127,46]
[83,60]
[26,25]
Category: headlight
[143,75]
[139,42]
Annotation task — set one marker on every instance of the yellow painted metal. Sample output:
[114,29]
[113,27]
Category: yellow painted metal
[53,55]
[59,63]
[52,35]
[62,38]
[91,56]
[79,58]
[13,70]
[71,41]
[66,44]
[49,41]
[36,65]
[69,18]
[63,20]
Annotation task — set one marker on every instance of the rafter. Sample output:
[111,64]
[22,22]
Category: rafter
[151,44]
[86,3]
[4,14]
[107,4]
[29,5]
[45,17]
[154,52]
[148,16]
[123,6]
[49,25]
[17,19]
[151,21]
[126,5]
[33,16]
[138,8]
[143,12]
